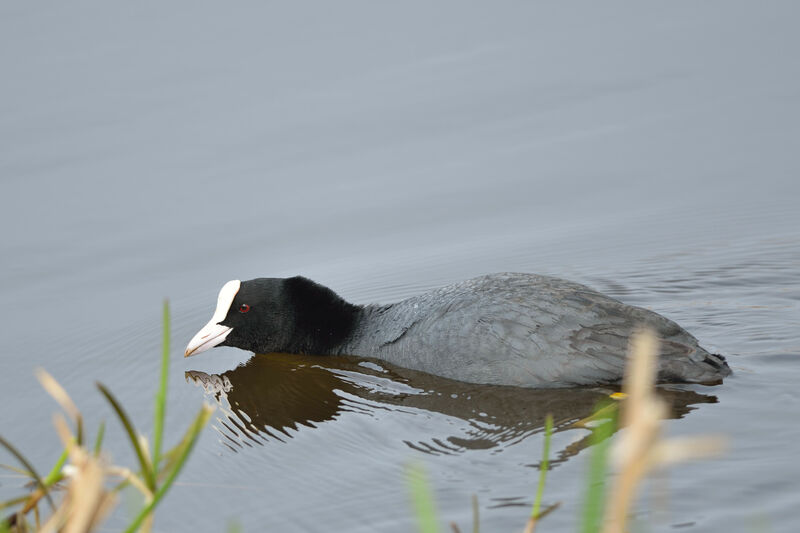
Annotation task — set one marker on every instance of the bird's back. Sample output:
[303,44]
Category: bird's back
[525,330]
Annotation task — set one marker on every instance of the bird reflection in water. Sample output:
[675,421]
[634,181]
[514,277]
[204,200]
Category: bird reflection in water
[274,396]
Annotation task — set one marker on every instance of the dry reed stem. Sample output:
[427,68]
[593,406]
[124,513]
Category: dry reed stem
[87,502]
[680,449]
[58,393]
[32,502]
[640,448]
[133,479]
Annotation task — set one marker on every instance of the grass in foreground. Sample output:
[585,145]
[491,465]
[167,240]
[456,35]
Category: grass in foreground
[89,481]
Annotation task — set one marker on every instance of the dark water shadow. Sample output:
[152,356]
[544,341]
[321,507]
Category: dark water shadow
[273,396]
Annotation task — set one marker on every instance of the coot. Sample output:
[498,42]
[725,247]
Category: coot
[506,329]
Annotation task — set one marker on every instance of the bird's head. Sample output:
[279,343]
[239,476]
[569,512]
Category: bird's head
[251,315]
[266,315]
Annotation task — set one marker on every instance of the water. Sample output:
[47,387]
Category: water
[158,151]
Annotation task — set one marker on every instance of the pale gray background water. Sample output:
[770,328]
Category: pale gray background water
[159,149]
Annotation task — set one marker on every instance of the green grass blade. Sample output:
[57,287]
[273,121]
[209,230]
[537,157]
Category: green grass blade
[98,440]
[55,473]
[543,467]
[476,517]
[79,430]
[161,394]
[147,469]
[185,447]
[422,499]
[24,462]
[594,504]
[174,455]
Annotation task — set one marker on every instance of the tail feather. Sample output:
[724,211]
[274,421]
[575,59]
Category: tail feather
[700,367]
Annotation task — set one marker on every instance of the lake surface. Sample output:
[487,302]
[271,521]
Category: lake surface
[156,151]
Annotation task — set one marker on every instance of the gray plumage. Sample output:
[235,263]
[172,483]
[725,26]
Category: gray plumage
[526,330]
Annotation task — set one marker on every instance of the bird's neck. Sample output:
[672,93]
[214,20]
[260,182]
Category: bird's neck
[323,320]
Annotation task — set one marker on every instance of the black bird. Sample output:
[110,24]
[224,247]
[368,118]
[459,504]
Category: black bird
[505,329]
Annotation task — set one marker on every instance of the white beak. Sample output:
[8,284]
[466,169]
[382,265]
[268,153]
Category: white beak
[208,337]
[214,333]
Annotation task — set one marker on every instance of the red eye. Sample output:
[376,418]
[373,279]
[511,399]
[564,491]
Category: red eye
[244,308]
